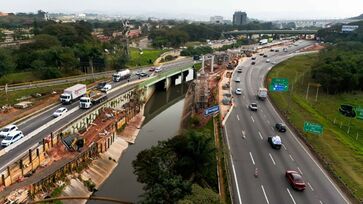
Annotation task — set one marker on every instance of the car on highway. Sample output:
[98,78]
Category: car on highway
[347,110]
[60,112]
[239,70]
[253,107]
[295,180]
[101,85]
[106,88]
[280,127]
[272,50]
[275,141]
[237,79]
[277,50]
[253,58]
[268,61]
[238,91]
[158,69]
[253,63]
[143,74]
[261,54]
[265,56]
[12,138]
[151,69]
[8,130]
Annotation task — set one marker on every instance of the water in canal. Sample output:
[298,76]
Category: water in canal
[162,121]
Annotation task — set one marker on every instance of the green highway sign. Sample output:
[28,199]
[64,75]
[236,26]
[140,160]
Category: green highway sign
[313,128]
[359,113]
[279,84]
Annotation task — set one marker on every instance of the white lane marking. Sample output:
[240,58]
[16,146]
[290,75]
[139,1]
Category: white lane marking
[311,157]
[292,198]
[234,170]
[310,186]
[300,171]
[283,146]
[264,193]
[273,129]
[260,135]
[320,202]
[252,119]
[273,161]
[243,134]
[261,110]
[237,117]
[253,161]
[291,157]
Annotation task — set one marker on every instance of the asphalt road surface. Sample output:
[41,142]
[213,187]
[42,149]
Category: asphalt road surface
[42,124]
[247,134]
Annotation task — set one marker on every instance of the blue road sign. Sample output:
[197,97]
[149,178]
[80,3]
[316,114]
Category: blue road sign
[211,110]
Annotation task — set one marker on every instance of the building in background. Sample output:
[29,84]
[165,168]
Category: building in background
[239,18]
[216,20]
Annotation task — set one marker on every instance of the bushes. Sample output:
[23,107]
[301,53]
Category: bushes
[196,51]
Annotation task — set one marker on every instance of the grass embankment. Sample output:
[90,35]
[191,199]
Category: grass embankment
[147,58]
[19,77]
[341,150]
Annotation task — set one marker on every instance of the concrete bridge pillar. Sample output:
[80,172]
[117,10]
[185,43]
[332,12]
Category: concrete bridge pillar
[212,64]
[167,83]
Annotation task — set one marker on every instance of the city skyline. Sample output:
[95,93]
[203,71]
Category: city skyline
[200,10]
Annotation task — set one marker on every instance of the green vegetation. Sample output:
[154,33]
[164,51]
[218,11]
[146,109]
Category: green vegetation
[334,34]
[340,68]
[20,20]
[237,44]
[147,58]
[169,169]
[198,66]
[190,51]
[340,146]
[20,77]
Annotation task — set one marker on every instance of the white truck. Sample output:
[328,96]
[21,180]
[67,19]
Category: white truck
[93,98]
[124,74]
[262,94]
[72,93]
[263,41]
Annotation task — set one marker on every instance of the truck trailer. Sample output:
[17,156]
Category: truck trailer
[72,93]
[262,94]
[93,98]
[118,76]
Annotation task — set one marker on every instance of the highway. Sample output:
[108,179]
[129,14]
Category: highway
[247,133]
[41,125]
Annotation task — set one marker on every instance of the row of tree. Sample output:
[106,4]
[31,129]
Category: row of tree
[339,67]
[179,34]
[61,50]
[190,51]
[181,169]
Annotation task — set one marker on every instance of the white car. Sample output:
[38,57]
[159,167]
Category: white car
[158,69]
[268,61]
[106,87]
[8,130]
[238,91]
[59,112]
[12,138]
[237,79]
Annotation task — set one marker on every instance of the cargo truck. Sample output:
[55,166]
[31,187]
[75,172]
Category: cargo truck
[73,93]
[93,98]
[263,41]
[262,94]
[118,76]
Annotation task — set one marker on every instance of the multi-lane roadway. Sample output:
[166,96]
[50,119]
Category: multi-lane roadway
[247,134]
[41,125]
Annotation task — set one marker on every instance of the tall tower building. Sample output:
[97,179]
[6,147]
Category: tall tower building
[239,18]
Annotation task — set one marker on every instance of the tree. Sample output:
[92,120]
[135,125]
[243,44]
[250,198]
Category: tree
[43,41]
[7,64]
[2,36]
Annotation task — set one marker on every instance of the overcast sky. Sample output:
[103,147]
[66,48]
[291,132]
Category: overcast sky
[197,9]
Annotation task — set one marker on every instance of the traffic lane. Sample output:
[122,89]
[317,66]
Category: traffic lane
[18,151]
[268,175]
[319,181]
[258,148]
[247,189]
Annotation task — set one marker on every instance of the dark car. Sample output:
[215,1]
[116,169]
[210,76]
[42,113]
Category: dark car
[101,85]
[295,180]
[347,110]
[261,54]
[280,127]
[143,74]
[152,69]
[272,50]
[277,50]
[253,58]
[253,63]
[265,56]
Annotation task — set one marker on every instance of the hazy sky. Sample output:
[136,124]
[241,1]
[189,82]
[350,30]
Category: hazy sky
[197,9]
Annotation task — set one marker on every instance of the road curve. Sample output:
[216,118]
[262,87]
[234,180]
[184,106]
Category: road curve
[247,134]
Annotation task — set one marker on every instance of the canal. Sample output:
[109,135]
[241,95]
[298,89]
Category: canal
[162,121]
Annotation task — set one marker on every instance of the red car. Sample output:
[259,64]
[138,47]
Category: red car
[295,180]
[152,69]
